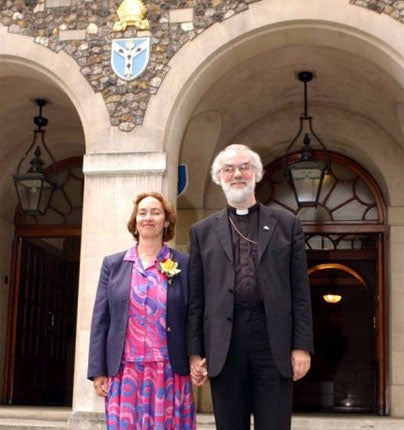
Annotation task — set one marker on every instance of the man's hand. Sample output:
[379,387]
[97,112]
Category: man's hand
[100,385]
[300,363]
[199,371]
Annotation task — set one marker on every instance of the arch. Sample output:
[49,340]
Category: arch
[20,55]
[337,266]
[270,25]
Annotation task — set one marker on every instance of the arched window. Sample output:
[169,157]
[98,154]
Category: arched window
[65,207]
[349,194]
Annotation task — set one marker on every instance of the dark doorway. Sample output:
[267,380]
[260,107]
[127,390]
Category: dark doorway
[347,228]
[46,303]
[42,310]
[344,369]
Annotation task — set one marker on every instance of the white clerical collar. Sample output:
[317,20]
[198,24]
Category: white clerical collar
[242,211]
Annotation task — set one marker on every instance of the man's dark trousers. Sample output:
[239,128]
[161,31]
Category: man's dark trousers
[249,382]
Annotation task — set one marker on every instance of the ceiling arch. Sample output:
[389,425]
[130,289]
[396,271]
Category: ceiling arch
[63,134]
[29,71]
[249,81]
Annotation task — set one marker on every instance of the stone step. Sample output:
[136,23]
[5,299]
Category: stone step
[33,418]
[345,422]
[23,418]
[25,424]
[326,422]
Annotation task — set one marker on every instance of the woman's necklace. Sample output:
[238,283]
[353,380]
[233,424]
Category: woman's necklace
[241,234]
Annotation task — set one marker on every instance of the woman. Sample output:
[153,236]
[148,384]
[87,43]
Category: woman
[138,359]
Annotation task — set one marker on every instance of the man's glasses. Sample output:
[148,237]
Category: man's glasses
[230,169]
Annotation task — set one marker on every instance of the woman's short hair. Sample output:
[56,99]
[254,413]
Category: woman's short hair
[170,215]
[218,162]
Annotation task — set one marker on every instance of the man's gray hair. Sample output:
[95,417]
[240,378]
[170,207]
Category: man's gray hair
[255,160]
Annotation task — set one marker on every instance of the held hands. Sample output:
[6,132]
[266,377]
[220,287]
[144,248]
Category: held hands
[300,363]
[199,371]
[100,385]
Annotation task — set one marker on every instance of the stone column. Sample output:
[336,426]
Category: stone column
[111,184]
[396,340]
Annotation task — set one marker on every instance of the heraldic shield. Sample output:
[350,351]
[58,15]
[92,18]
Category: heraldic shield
[129,57]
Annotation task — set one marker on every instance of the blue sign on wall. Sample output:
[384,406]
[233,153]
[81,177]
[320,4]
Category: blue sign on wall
[182,178]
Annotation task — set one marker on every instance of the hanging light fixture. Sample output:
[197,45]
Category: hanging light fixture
[332,298]
[332,293]
[305,173]
[34,189]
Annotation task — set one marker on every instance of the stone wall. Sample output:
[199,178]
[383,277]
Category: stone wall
[83,29]
[391,7]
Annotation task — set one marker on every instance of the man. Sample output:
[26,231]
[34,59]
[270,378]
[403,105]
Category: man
[249,321]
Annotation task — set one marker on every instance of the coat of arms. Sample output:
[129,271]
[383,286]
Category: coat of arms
[129,57]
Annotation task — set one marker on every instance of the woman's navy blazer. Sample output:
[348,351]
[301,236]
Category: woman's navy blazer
[110,316]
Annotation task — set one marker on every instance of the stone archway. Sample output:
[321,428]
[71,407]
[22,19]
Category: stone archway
[21,56]
[212,90]
[29,71]
[273,27]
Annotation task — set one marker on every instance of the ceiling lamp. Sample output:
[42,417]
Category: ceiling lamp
[332,298]
[34,189]
[305,173]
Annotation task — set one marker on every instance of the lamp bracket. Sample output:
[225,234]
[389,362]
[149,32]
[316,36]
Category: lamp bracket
[305,76]
[40,122]
[41,102]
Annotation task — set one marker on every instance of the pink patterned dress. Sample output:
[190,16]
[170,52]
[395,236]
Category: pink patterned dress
[146,394]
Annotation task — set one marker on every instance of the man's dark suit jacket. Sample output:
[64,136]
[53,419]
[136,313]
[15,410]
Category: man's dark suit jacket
[282,279]
[110,316]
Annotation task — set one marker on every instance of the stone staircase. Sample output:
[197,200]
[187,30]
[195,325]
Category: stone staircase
[33,418]
[36,418]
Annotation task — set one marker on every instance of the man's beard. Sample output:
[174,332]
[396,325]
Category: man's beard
[238,195]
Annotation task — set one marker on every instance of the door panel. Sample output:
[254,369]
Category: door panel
[42,372]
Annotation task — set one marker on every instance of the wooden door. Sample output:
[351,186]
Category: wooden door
[45,303]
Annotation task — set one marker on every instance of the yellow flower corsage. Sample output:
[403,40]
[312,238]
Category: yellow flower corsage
[169,267]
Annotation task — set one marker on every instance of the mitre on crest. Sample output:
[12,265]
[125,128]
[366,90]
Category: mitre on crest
[131,12]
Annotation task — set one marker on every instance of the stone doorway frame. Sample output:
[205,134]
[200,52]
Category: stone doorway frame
[33,230]
[376,227]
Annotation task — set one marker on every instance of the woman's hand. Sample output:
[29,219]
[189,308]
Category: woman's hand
[199,371]
[100,384]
